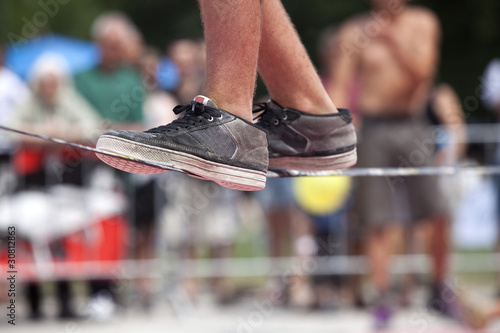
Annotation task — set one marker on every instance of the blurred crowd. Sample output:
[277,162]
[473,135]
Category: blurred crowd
[382,65]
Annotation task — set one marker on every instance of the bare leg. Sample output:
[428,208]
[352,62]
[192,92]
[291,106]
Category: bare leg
[408,284]
[381,244]
[279,229]
[379,260]
[232,33]
[495,311]
[356,281]
[438,238]
[285,66]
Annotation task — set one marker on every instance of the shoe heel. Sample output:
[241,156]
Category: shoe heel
[334,162]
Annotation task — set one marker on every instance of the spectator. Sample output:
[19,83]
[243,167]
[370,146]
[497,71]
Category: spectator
[189,56]
[134,45]
[444,109]
[201,215]
[12,92]
[113,88]
[116,91]
[156,100]
[53,109]
[491,98]
[445,113]
[393,73]
[192,220]
[327,46]
[326,202]
[148,198]
[279,206]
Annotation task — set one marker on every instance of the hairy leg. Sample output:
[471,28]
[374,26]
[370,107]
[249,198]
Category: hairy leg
[285,66]
[232,34]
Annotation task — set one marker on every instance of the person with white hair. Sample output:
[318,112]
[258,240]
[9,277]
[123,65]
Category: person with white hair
[53,108]
[115,89]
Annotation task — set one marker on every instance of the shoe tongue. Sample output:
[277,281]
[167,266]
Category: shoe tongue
[274,105]
[205,101]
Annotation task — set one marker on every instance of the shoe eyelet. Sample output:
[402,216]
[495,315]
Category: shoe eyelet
[285,117]
[220,117]
[210,119]
[276,122]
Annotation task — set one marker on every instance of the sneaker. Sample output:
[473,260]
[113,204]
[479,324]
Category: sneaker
[308,142]
[205,142]
[101,308]
[382,315]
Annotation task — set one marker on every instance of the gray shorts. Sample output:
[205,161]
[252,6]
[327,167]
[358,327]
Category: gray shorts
[396,142]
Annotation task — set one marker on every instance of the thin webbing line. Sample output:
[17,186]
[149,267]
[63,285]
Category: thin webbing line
[354,172]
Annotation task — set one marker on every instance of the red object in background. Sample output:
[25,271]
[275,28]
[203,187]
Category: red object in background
[28,161]
[96,251]
[103,243]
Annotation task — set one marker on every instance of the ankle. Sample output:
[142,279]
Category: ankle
[236,107]
[306,105]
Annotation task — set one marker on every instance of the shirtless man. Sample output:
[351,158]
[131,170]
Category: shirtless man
[390,55]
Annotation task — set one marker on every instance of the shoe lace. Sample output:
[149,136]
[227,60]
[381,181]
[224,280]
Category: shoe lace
[266,115]
[194,114]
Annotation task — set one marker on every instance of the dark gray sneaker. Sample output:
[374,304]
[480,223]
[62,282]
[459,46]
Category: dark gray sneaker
[303,141]
[206,142]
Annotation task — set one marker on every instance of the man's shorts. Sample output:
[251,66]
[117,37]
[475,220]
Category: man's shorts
[388,142]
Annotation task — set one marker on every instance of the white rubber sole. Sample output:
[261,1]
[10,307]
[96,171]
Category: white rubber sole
[334,162]
[228,176]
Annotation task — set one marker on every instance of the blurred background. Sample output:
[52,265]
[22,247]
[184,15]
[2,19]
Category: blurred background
[101,250]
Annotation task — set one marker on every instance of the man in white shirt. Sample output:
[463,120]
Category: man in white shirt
[13,91]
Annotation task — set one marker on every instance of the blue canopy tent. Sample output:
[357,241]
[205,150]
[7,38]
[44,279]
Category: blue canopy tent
[80,55]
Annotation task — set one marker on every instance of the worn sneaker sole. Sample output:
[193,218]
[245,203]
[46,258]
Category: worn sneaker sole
[333,162]
[226,175]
